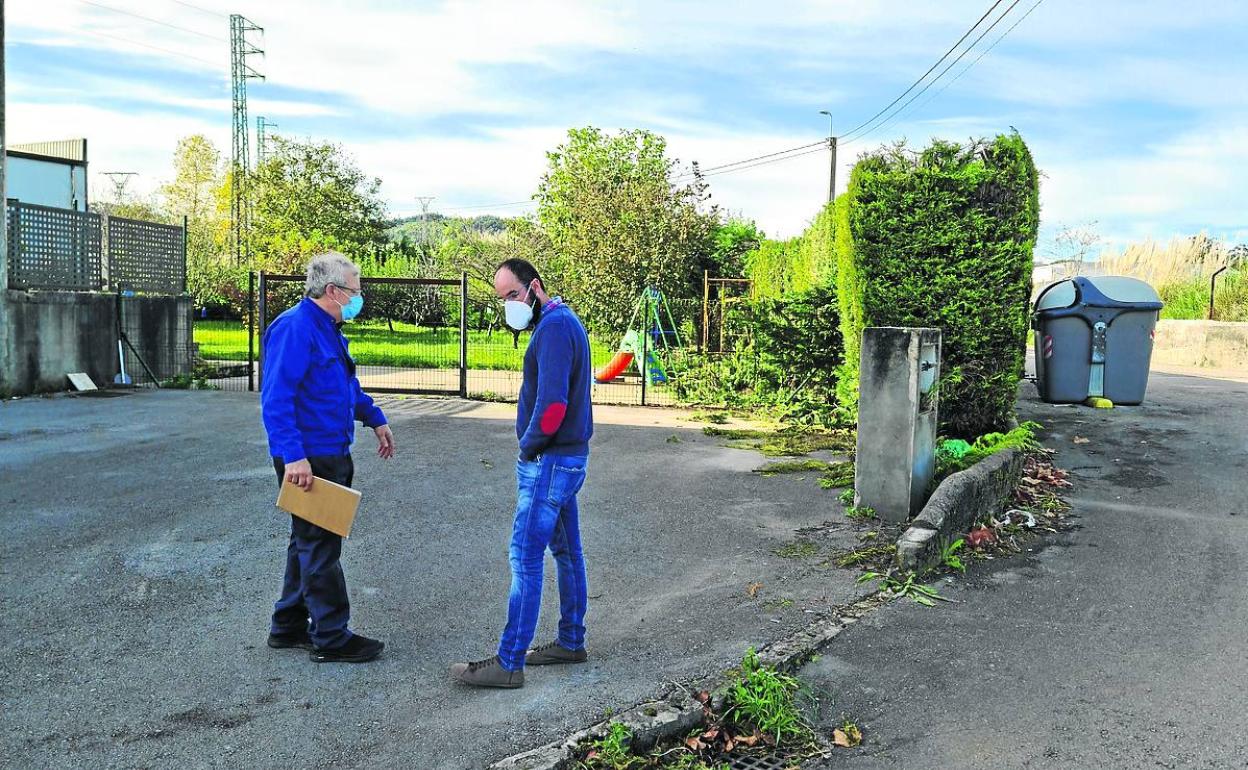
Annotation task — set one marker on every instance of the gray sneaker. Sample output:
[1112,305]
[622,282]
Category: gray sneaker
[487,673]
[554,654]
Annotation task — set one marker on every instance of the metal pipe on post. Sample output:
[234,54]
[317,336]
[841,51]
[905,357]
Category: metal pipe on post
[463,334]
[1212,287]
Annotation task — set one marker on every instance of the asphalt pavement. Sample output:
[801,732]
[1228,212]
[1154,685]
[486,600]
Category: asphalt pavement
[142,555]
[1122,643]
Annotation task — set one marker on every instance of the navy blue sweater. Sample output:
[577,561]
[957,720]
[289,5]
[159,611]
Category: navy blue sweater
[555,416]
[310,397]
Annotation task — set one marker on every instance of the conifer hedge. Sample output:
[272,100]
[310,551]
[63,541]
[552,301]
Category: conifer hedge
[943,238]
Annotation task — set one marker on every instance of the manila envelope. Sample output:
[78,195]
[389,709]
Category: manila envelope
[327,505]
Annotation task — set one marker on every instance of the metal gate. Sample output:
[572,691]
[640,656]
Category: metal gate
[411,337]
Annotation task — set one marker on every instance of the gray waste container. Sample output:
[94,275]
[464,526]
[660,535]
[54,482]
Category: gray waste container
[1094,337]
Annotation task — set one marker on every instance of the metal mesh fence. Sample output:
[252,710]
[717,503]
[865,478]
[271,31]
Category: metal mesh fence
[145,256]
[156,340]
[51,248]
[408,340]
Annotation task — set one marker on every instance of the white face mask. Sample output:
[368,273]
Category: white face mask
[518,314]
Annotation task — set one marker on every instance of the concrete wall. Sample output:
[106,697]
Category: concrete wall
[53,333]
[1214,344]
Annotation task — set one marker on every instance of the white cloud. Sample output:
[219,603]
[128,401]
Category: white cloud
[116,141]
[1066,76]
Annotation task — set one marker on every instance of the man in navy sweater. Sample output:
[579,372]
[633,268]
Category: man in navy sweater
[310,399]
[553,423]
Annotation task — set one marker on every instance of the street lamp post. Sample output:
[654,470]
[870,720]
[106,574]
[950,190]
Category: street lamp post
[832,167]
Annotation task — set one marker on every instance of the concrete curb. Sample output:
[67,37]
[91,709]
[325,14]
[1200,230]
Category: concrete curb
[955,506]
[671,717]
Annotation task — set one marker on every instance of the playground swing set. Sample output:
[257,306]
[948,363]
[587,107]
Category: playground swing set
[650,337]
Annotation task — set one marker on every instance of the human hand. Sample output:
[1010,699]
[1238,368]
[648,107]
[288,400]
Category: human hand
[299,473]
[385,442]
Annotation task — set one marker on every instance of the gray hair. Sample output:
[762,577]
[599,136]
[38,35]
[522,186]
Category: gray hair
[329,268]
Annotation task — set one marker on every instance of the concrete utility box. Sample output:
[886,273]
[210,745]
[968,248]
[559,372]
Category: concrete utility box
[897,403]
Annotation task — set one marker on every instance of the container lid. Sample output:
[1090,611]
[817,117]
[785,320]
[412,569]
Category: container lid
[1057,295]
[1122,288]
[1101,291]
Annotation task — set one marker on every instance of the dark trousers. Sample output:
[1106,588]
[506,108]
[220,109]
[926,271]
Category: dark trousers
[314,593]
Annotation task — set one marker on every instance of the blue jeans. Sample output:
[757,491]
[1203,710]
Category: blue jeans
[546,516]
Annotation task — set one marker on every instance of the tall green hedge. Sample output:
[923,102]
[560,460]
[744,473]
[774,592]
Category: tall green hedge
[944,238]
[779,268]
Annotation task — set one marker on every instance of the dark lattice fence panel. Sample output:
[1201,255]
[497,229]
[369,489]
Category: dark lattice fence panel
[145,256]
[53,249]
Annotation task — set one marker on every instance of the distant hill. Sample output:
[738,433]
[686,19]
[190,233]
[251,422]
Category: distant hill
[410,227]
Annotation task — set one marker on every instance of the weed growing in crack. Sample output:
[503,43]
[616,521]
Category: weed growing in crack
[766,699]
[610,752]
[856,512]
[894,587]
[949,555]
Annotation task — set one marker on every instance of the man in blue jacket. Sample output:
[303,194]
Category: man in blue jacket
[309,401]
[553,423]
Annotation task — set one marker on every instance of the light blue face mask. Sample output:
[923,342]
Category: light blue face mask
[353,307]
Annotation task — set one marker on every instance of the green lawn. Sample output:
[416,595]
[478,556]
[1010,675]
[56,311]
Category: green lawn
[372,343]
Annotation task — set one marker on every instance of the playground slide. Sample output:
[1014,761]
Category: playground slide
[615,367]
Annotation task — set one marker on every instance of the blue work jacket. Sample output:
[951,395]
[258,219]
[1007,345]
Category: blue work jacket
[310,396]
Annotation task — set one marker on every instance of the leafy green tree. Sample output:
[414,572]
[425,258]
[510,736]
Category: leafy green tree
[308,188]
[733,240]
[619,219]
[195,193]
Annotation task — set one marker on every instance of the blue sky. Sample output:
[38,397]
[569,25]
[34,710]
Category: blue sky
[1137,112]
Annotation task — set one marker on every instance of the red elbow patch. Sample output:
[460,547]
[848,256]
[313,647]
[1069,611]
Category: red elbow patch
[552,418]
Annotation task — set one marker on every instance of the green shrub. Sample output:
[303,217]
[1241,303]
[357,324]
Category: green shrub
[944,238]
[953,455]
[1190,299]
[795,266]
[785,363]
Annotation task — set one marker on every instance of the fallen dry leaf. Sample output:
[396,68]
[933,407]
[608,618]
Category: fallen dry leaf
[1081,440]
[980,536]
[753,588]
[848,738]
[694,744]
[747,740]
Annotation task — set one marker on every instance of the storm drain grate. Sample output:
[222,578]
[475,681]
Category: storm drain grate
[768,760]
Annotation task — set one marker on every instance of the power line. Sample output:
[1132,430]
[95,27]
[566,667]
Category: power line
[711,171]
[819,150]
[150,19]
[198,8]
[913,85]
[948,66]
[986,51]
[487,205]
[152,47]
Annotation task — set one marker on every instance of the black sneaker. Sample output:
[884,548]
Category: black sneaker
[487,673]
[554,654]
[290,640]
[358,649]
